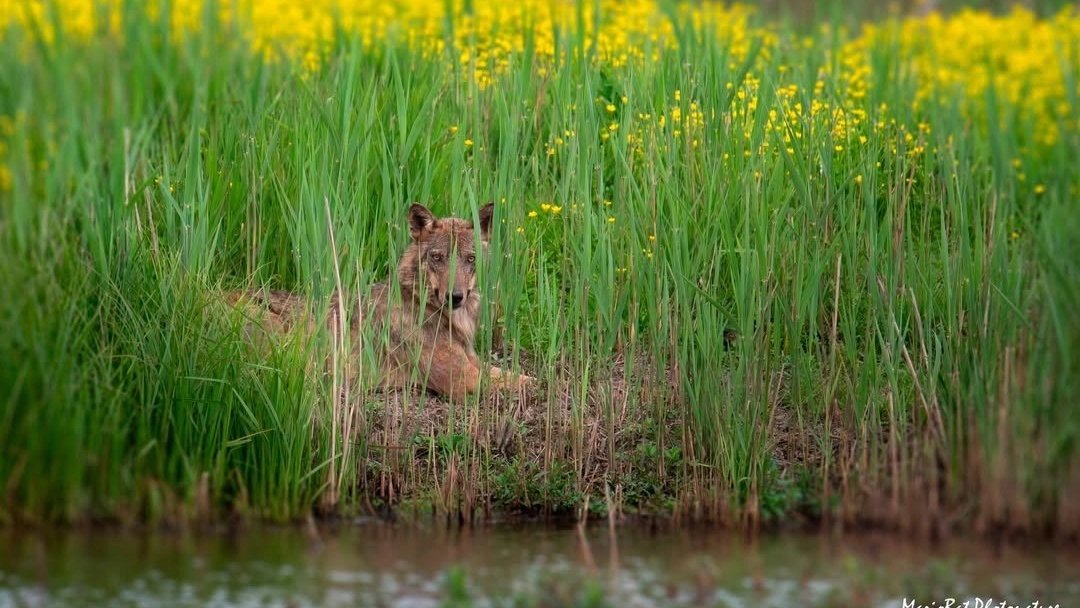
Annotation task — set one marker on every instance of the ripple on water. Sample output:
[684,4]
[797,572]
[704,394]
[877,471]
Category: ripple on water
[409,569]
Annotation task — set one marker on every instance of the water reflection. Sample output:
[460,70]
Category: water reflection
[376,564]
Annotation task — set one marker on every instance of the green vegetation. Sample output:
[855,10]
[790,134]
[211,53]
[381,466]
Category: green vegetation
[550,590]
[758,276]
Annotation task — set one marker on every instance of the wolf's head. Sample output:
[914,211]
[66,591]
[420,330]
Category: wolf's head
[442,257]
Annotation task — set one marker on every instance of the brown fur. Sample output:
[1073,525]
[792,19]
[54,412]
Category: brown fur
[426,339]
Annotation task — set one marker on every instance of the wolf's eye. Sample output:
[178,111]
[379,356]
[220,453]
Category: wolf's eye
[470,259]
[435,256]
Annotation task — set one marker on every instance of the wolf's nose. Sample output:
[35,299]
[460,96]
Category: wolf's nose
[456,298]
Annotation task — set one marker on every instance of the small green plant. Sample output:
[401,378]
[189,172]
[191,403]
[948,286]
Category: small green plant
[456,589]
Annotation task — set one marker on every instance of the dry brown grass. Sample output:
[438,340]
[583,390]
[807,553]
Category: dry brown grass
[408,436]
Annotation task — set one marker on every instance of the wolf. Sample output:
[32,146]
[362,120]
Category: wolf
[424,338]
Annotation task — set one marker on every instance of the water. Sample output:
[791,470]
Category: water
[413,565]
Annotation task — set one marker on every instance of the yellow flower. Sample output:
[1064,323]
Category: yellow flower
[555,209]
[611,219]
[468,142]
[545,207]
[532,214]
[610,107]
[1039,189]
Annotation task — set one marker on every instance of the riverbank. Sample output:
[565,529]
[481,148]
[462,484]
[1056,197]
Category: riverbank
[764,275]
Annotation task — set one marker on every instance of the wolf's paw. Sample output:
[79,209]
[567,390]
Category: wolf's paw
[501,378]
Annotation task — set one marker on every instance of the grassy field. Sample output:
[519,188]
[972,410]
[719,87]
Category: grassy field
[765,271]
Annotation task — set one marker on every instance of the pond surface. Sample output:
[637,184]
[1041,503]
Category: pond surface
[421,565]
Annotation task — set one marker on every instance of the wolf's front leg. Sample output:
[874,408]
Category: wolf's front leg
[454,377]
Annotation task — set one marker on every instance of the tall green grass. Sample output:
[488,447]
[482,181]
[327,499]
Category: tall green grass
[856,334]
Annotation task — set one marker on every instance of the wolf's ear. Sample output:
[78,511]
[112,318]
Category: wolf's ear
[487,216]
[420,220]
